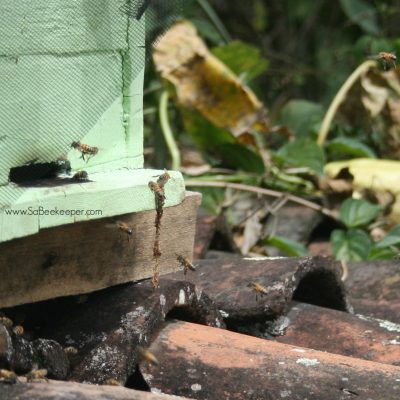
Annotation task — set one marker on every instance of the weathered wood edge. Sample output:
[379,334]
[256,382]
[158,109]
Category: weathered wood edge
[88,256]
[56,390]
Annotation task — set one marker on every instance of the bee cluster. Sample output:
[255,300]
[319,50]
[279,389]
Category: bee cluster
[158,189]
[10,376]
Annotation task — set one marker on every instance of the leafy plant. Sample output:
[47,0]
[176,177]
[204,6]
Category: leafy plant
[303,153]
[354,243]
[355,213]
[290,247]
[351,245]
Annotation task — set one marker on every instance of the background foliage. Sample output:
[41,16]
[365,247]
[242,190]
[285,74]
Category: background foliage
[295,55]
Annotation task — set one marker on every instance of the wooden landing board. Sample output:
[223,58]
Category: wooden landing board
[60,201]
[88,256]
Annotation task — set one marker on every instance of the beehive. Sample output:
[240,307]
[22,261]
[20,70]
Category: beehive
[72,71]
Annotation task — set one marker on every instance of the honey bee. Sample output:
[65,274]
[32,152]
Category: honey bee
[163,179]
[123,227]
[258,288]
[8,376]
[146,355]
[387,59]
[157,189]
[186,264]
[112,382]
[85,149]
[36,374]
[71,350]
[7,322]
[18,330]
[80,176]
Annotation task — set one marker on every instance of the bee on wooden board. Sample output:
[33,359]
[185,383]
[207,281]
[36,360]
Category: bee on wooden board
[123,227]
[80,176]
[36,374]
[8,376]
[387,59]
[186,264]
[258,288]
[85,149]
[146,355]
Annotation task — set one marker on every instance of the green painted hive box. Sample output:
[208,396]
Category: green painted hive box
[72,71]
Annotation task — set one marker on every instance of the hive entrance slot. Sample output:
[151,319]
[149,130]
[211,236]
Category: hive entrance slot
[33,171]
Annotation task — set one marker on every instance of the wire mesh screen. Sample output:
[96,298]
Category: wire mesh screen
[69,68]
[160,15]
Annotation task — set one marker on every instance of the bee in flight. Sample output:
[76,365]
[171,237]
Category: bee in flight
[163,179]
[70,350]
[85,149]
[36,374]
[80,176]
[387,59]
[146,355]
[18,330]
[123,227]
[258,288]
[186,264]
[157,189]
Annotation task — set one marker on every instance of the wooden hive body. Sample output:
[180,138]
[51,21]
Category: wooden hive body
[73,71]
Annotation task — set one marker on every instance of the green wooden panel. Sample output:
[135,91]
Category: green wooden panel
[47,112]
[65,26]
[113,193]
[73,70]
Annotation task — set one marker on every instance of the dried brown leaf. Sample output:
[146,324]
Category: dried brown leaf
[205,84]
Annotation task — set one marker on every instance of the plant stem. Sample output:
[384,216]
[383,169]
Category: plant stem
[264,192]
[153,89]
[150,110]
[205,5]
[338,99]
[167,132]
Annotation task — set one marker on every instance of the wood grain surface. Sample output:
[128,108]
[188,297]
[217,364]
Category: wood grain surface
[88,256]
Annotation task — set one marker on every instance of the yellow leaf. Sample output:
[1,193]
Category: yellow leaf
[205,84]
[379,176]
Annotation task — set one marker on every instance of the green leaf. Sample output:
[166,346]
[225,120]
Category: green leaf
[243,59]
[354,212]
[301,116]
[204,133]
[353,245]
[303,153]
[361,13]
[392,238]
[236,156]
[290,247]
[352,147]
[207,30]
[381,254]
